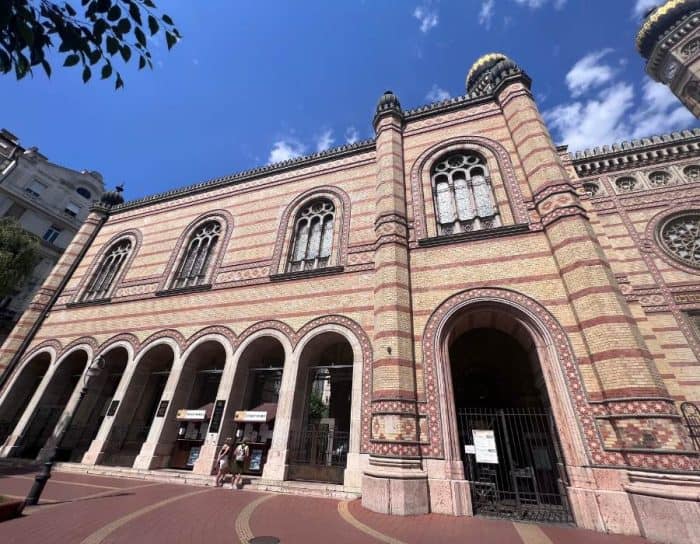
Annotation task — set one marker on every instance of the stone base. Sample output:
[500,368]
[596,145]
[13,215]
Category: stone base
[395,495]
[450,497]
[666,506]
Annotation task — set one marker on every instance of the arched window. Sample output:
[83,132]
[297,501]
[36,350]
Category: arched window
[462,193]
[107,271]
[692,172]
[659,178]
[200,251]
[591,188]
[312,244]
[626,184]
[82,191]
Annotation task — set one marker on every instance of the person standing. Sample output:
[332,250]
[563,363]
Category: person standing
[240,454]
[223,462]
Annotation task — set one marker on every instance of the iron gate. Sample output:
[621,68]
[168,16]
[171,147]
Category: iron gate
[514,465]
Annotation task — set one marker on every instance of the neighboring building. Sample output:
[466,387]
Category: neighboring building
[48,200]
[669,40]
[455,316]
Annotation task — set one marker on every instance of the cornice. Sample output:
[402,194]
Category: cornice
[642,152]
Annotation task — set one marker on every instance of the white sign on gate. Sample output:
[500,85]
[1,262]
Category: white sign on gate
[485,446]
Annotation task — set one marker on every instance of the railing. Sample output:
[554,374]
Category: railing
[691,418]
[319,446]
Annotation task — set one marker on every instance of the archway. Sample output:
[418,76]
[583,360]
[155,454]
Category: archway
[320,427]
[505,429]
[139,406]
[21,392]
[252,407]
[93,407]
[53,402]
[193,404]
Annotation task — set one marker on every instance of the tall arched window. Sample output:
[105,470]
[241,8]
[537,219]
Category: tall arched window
[313,236]
[200,251]
[107,271]
[462,193]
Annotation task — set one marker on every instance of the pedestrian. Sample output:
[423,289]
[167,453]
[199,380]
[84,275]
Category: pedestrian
[240,454]
[223,462]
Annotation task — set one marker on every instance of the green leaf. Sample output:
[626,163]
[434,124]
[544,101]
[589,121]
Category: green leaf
[26,32]
[106,71]
[70,9]
[167,20]
[142,62]
[118,83]
[94,56]
[71,60]
[170,39]
[135,13]
[47,68]
[124,26]
[112,45]
[149,3]
[152,24]
[114,13]
[140,36]
[126,53]
[86,74]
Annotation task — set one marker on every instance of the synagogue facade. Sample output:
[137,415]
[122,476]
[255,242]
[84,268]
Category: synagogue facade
[455,317]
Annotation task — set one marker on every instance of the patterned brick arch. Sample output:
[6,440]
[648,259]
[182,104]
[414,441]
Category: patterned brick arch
[55,345]
[341,234]
[214,329]
[275,325]
[170,334]
[126,337]
[556,357]
[367,358]
[85,340]
[420,174]
[136,239]
[226,220]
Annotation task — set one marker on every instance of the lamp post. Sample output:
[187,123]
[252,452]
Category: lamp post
[40,480]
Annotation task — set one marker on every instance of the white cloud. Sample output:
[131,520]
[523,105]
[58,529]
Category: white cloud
[613,115]
[286,149]
[534,4]
[351,135]
[436,94]
[324,140]
[486,13]
[642,6]
[427,17]
[589,72]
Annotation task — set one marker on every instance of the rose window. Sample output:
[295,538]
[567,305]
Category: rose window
[591,189]
[659,179]
[681,238]
[625,185]
[692,172]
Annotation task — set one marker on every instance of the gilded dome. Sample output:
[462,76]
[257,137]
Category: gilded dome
[482,64]
[489,70]
[661,19]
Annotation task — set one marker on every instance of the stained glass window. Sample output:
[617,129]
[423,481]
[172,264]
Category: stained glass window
[313,236]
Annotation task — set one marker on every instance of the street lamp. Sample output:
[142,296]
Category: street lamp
[40,480]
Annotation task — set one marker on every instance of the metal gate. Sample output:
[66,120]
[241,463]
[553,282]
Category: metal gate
[513,461]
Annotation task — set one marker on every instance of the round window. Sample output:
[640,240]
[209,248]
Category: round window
[680,237]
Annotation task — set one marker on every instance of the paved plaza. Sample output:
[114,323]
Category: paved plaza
[86,509]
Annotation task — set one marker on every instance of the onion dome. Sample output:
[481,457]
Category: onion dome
[388,102]
[659,20]
[113,198]
[489,70]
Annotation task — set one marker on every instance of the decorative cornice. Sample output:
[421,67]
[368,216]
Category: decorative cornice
[637,153]
[658,21]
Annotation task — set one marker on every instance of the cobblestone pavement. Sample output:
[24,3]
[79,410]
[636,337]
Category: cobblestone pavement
[82,509]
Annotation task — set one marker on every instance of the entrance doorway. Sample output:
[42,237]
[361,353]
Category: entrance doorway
[508,442]
[53,402]
[320,436]
[139,407]
[92,408]
[21,393]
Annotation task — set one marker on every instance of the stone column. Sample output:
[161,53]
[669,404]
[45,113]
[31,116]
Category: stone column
[34,313]
[394,482]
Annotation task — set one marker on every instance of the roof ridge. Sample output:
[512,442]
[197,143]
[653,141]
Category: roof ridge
[636,143]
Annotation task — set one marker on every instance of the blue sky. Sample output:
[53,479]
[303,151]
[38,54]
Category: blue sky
[255,82]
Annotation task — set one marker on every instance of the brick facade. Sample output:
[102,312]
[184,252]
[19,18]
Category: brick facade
[578,277]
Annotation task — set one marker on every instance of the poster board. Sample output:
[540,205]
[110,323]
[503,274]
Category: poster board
[194,455]
[485,447]
[255,462]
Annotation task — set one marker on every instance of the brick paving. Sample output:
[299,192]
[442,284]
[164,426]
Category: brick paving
[95,509]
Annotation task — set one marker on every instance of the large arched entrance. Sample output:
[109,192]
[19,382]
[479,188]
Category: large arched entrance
[506,433]
[52,404]
[320,428]
[93,407]
[21,392]
[139,406]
